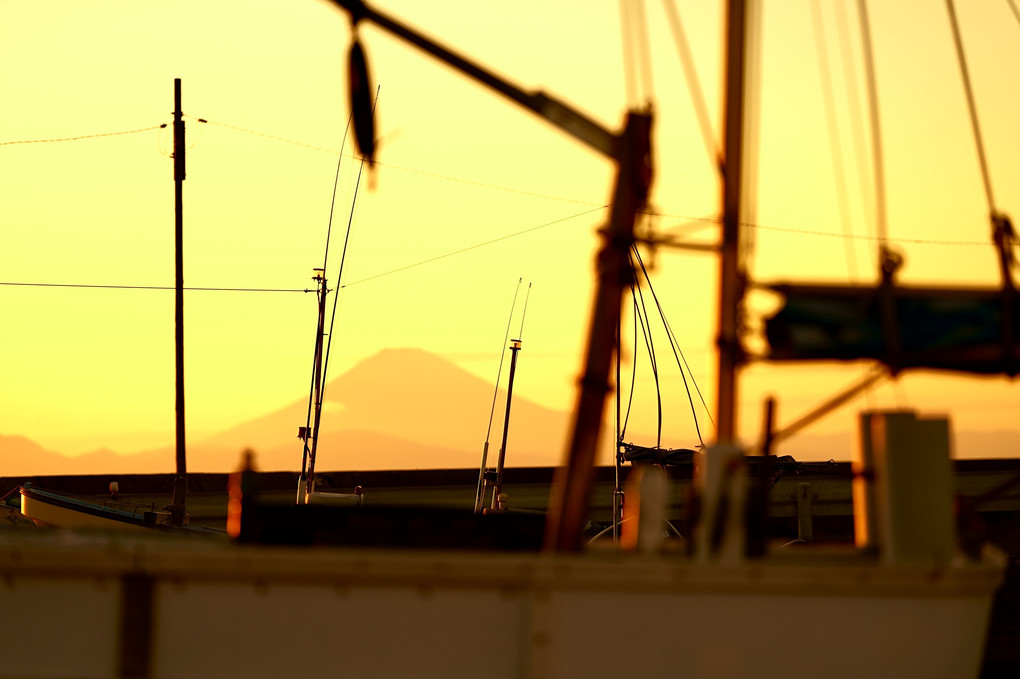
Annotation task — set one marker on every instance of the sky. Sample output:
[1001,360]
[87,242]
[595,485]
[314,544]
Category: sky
[459,167]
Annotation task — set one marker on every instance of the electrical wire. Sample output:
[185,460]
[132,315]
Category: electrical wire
[473,247]
[83,136]
[149,287]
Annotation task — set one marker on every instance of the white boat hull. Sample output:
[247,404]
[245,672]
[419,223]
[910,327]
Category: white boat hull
[217,609]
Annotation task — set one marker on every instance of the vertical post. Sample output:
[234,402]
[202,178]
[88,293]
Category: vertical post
[731,277]
[319,334]
[571,492]
[178,505]
[515,346]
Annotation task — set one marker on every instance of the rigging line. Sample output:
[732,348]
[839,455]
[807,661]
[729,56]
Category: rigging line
[340,272]
[425,173]
[876,132]
[693,84]
[83,136]
[527,296]
[675,346]
[1016,12]
[473,247]
[975,126]
[912,241]
[633,368]
[644,50]
[149,287]
[336,181]
[256,133]
[834,147]
[629,75]
[483,185]
[646,329]
[853,102]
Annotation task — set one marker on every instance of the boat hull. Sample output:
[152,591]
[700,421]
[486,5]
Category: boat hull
[218,609]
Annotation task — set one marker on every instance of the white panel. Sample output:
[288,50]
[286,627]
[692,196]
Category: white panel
[717,636]
[241,630]
[58,628]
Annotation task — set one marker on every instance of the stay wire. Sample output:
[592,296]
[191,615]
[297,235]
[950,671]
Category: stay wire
[1016,12]
[644,51]
[646,330]
[971,107]
[828,102]
[474,247]
[693,84]
[853,105]
[876,132]
[633,368]
[629,67]
[677,352]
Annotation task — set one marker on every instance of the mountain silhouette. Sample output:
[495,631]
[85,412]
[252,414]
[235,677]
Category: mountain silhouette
[398,409]
[402,409]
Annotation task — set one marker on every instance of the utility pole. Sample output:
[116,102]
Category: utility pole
[179,503]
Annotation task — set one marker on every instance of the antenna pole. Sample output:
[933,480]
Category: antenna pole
[515,346]
[178,505]
[319,334]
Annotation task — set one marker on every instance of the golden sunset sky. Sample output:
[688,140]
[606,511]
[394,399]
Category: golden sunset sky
[84,368]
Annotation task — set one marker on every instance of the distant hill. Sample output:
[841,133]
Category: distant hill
[398,409]
[402,409]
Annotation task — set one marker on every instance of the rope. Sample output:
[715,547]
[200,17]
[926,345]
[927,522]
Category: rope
[975,127]
[677,353]
[833,129]
[693,85]
[876,132]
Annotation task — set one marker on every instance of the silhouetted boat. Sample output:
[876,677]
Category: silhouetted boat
[904,602]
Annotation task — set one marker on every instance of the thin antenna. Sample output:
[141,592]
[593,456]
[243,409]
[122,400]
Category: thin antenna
[527,295]
[480,490]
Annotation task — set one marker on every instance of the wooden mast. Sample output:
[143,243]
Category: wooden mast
[731,277]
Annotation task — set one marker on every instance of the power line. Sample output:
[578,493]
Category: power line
[83,136]
[475,246]
[148,287]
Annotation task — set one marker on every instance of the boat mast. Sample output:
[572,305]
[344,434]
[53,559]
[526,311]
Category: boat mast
[731,276]
[630,150]
[178,504]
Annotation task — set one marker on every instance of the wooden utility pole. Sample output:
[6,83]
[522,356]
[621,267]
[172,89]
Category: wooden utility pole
[177,508]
